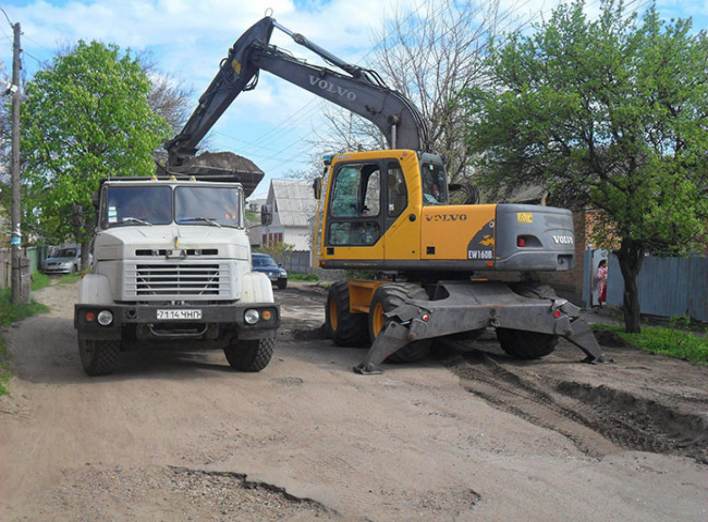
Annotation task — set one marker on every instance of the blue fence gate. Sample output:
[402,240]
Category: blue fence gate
[668,286]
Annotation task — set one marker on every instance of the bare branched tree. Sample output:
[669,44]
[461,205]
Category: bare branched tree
[431,55]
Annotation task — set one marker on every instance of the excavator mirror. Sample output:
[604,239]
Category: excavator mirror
[317,187]
[266,215]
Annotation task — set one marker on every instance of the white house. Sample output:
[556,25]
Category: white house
[291,204]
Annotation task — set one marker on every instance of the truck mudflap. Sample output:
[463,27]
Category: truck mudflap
[470,306]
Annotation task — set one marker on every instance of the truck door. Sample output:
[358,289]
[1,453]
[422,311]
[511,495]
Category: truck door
[355,215]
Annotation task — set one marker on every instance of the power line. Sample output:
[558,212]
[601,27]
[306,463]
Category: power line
[8,18]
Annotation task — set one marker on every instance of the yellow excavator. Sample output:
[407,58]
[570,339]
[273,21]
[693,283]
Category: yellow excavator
[389,212]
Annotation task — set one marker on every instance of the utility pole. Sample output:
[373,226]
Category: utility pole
[20,291]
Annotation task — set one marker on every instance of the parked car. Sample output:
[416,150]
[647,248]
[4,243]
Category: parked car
[62,261]
[276,273]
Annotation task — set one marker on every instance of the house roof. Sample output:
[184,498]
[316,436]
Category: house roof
[294,202]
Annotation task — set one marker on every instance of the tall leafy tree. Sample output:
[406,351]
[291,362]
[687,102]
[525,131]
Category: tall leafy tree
[611,112]
[86,117]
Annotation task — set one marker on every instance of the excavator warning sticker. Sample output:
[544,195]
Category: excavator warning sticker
[524,217]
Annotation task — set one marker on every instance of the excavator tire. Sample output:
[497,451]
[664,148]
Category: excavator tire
[387,298]
[528,345]
[344,327]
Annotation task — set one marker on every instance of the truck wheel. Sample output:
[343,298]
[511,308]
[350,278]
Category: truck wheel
[98,357]
[344,327]
[526,345]
[250,356]
[387,298]
[282,283]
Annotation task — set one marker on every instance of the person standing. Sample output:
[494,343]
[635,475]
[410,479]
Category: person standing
[601,277]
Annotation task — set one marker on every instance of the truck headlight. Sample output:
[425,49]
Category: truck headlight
[105,317]
[251,316]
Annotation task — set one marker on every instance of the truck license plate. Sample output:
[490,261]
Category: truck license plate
[171,315]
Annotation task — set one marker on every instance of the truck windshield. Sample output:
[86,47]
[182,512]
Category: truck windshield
[216,206]
[136,205]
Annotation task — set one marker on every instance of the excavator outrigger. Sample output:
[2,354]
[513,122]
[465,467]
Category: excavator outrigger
[388,211]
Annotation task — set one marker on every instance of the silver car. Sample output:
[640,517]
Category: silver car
[63,261]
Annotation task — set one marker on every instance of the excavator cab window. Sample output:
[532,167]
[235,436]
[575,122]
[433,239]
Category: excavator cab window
[355,206]
[397,192]
[434,185]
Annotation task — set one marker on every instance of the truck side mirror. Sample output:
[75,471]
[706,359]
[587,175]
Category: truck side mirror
[94,200]
[266,215]
[317,187]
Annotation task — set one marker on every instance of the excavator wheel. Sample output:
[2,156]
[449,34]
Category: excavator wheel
[344,327]
[387,298]
[528,345]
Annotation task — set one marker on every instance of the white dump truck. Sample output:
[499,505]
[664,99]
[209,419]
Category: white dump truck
[172,270]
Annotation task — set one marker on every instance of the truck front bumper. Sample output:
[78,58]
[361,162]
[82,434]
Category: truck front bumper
[229,318]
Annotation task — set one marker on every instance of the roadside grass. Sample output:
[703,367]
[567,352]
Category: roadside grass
[69,279]
[303,277]
[664,341]
[39,281]
[10,313]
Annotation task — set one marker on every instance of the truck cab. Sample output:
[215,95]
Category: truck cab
[172,270]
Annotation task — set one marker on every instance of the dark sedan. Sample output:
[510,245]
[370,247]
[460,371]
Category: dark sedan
[266,264]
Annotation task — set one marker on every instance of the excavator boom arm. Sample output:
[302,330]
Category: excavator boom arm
[359,90]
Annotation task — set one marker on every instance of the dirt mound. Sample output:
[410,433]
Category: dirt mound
[223,160]
[597,418]
[308,334]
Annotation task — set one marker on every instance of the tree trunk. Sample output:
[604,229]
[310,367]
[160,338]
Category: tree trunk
[630,257]
[85,246]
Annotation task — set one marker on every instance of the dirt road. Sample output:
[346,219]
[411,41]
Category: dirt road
[471,435]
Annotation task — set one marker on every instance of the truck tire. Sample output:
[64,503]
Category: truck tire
[344,327]
[387,298]
[282,284]
[526,345]
[251,355]
[98,357]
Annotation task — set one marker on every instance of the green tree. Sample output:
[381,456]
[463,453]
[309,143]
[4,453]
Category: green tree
[86,117]
[611,113]
[280,251]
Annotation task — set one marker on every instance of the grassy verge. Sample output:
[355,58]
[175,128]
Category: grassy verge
[303,277]
[69,279]
[10,313]
[39,281]
[664,341]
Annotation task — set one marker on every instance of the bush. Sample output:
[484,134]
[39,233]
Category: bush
[303,277]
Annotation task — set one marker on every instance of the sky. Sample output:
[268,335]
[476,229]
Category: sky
[188,38]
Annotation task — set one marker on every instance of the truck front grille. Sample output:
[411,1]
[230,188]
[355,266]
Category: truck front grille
[177,280]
